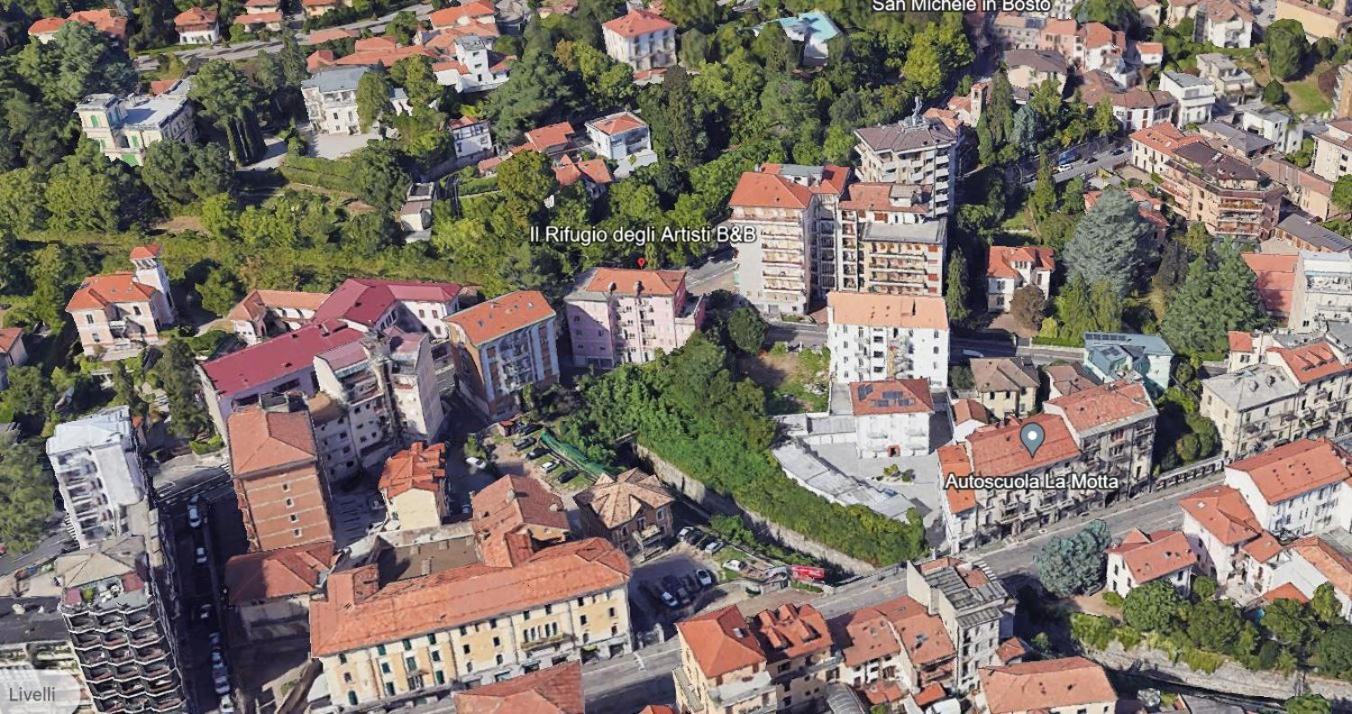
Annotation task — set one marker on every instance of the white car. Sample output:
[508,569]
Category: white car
[222,683]
[735,565]
[670,600]
[204,612]
[201,555]
[227,706]
[705,578]
[194,516]
[217,659]
[476,462]
[549,466]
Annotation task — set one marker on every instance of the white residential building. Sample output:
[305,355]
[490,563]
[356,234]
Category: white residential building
[1333,150]
[98,471]
[331,100]
[1143,558]
[1295,489]
[876,337]
[917,151]
[124,127]
[196,26]
[473,139]
[624,139]
[476,68]
[1011,268]
[1194,96]
[1314,561]
[642,39]
[892,417]
[1322,293]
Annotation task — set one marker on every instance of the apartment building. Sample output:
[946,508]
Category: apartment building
[642,39]
[1193,96]
[118,620]
[1227,195]
[1300,233]
[413,484]
[886,242]
[1106,430]
[515,516]
[1141,558]
[631,510]
[473,139]
[622,316]
[283,500]
[917,151]
[385,639]
[1285,394]
[1030,69]
[117,314]
[1295,489]
[1333,150]
[1223,23]
[1322,292]
[331,100]
[1223,533]
[1230,81]
[124,126]
[1005,386]
[1009,268]
[1070,685]
[97,463]
[267,313]
[1318,21]
[473,66]
[779,660]
[1152,146]
[1016,31]
[1301,568]
[898,641]
[976,611]
[270,591]
[891,417]
[624,139]
[876,337]
[1110,356]
[1310,193]
[501,346]
[791,212]
[35,638]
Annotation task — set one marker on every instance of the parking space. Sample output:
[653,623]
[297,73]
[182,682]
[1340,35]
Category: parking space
[356,512]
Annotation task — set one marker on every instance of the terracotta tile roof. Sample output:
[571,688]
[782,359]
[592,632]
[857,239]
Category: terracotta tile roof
[1012,649]
[965,410]
[831,183]
[387,56]
[100,291]
[756,189]
[1276,279]
[790,631]
[1263,548]
[1001,260]
[887,197]
[257,303]
[1313,361]
[1154,556]
[515,505]
[616,500]
[547,137]
[463,14]
[888,628]
[998,451]
[618,123]
[721,641]
[1097,34]
[419,466]
[929,695]
[152,250]
[262,440]
[1222,511]
[46,25]
[569,171]
[318,36]
[1239,341]
[263,18]
[657,709]
[1164,138]
[1045,685]
[502,315]
[637,23]
[628,281]
[284,354]
[365,300]
[1287,591]
[105,21]
[265,575]
[9,336]
[891,396]
[953,460]
[1068,378]
[556,690]
[1003,374]
[193,17]
[876,310]
[356,614]
[1103,405]
[1328,560]
[1295,468]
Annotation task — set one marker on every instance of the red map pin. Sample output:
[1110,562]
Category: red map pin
[642,262]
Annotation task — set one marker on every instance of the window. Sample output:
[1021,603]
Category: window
[342,659]
[499,659]
[583,619]
[432,639]
[286,486]
[380,650]
[296,532]
[549,609]
[465,648]
[436,655]
[347,676]
[385,667]
[497,642]
[410,664]
[439,676]
[294,518]
[389,689]
[290,503]
[612,612]
[89,318]
[352,698]
[407,645]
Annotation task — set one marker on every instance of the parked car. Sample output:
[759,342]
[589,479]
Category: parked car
[684,534]
[204,611]
[222,682]
[536,453]
[194,513]
[713,546]
[214,639]
[525,428]
[217,658]
[549,466]
[476,462]
[705,578]
[670,600]
[735,565]
[227,706]
[201,555]
[567,476]
[521,444]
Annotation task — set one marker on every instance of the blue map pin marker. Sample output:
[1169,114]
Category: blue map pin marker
[1032,435]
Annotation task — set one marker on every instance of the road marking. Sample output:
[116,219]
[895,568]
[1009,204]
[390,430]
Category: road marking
[639,659]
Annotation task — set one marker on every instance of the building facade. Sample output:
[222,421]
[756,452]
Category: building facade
[917,151]
[619,316]
[642,39]
[500,347]
[886,242]
[124,126]
[880,337]
[97,462]
[283,500]
[119,313]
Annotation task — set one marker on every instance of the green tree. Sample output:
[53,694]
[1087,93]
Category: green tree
[1151,607]
[1213,300]
[30,398]
[1105,124]
[402,27]
[1042,201]
[379,178]
[1326,605]
[373,99]
[1274,93]
[1286,48]
[1028,306]
[1334,649]
[176,369]
[955,293]
[1074,564]
[220,216]
[86,62]
[57,269]
[220,291]
[1106,246]
[88,192]
[746,330]
[1205,587]
[124,385]
[178,173]
[25,492]
[1342,192]
[924,71]
[222,90]
[23,201]
[1290,622]
[525,181]
[13,265]
[1215,625]
[1307,704]
[537,91]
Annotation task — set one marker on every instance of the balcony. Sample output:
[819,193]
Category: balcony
[533,645]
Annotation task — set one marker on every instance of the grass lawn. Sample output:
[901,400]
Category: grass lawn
[1305,97]
[798,381]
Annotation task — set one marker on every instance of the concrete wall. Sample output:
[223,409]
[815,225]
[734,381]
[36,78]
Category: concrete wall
[1229,679]
[714,502]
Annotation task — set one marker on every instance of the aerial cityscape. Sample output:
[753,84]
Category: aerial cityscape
[675,356]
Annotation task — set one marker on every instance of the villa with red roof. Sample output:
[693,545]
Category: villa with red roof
[892,417]
[641,39]
[266,14]
[1225,535]
[1142,558]
[1010,268]
[12,352]
[1072,684]
[104,20]
[196,26]
[624,139]
[117,314]
[471,18]
[624,316]
[1302,567]
[502,345]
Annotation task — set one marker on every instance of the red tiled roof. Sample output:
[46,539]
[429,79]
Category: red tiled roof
[464,13]
[257,303]
[1263,548]
[721,641]
[638,22]
[1295,468]
[1045,685]
[261,18]
[1154,556]
[965,410]
[1276,278]
[284,354]
[1104,404]
[46,25]
[193,17]
[569,171]
[556,690]
[878,310]
[629,281]
[1164,138]
[365,300]
[791,631]
[1287,591]
[100,291]
[353,616]
[1001,260]
[998,450]
[832,181]
[9,336]
[265,575]
[510,512]
[1239,341]
[953,460]
[617,500]
[152,250]
[1012,649]
[929,695]
[1222,511]
[508,313]
[1312,362]
[262,440]
[1333,565]
[419,466]
[757,189]
[895,396]
[618,123]
[547,137]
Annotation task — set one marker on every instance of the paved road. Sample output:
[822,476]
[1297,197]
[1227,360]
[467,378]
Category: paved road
[49,547]
[246,50]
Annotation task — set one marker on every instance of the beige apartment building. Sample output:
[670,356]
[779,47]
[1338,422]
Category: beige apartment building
[1005,386]
[283,501]
[789,211]
[779,660]
[380,638]
[1228,196]
[502,345]
[976,611]
[885,242]
[917,151]
[413,484]
[1299,390]
[1333,150]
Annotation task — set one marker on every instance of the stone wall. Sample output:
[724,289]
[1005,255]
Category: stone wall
[714,502]
[1229,679]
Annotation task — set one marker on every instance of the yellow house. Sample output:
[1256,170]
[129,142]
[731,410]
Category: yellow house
[413,485]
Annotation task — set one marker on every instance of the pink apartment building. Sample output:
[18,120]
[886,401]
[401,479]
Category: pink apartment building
[119,313]
[618,316]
